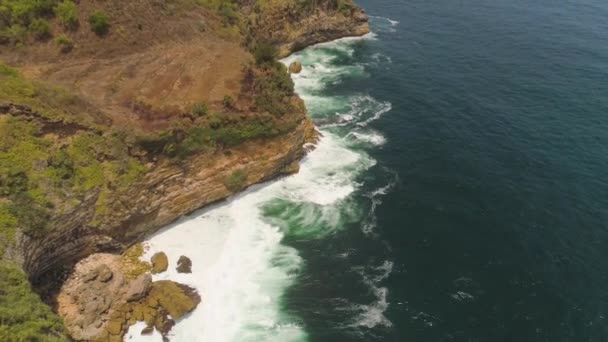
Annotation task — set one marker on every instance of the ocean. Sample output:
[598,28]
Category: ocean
[459,191]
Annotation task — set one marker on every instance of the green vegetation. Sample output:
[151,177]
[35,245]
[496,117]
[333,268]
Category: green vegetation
[227,9]
[273,89]
[65,44]
[236,180]
[23,316]
[99,23]
[338,5]
[40,174]
[228,102]
[265,52]
[206,134]
[40,29]
[67,14]
[18,18]
[200,109]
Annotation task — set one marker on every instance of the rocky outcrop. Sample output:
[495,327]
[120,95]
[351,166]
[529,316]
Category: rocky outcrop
[295,67]
[98,303]
[293,29]
[184,265]
[164,304]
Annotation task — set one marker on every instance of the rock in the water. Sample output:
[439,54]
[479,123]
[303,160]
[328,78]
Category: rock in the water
[105,273]
[160,263]
[295,67]
[175,298]
[184,265]
[139,287]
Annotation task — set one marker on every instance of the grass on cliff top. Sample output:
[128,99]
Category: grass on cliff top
[54,103]
[274,101]
[23,316]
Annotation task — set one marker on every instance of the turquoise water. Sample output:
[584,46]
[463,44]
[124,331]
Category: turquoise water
[459,191]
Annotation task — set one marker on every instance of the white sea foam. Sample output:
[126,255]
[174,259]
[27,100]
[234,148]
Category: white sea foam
[240,266]
[370,137]
[372,315]
[391,21]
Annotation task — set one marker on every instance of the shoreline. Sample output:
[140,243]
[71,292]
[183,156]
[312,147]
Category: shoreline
[212,249]
[219,239]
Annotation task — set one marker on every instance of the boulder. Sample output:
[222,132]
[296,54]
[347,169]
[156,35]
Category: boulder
[148,330]
[104,273]
[139,288]
[176,299]
[295,67]
[184,265]
[114,327]
[160,263]
[91,275]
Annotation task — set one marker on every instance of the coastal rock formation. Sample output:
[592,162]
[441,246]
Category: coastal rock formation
[184,265]
[292,28]
[98,303]
[160,263]
[295,67]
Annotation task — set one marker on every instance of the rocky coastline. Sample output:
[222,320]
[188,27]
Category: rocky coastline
[93,275]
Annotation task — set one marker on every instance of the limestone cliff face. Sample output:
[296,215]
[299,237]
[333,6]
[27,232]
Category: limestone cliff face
[292,29]
[167,192]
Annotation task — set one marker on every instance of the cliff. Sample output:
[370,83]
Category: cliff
[109,136]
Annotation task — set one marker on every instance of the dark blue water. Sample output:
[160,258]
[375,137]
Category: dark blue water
[496,227]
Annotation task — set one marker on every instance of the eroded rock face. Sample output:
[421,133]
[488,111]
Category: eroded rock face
[160,262]
[292,29]
[167,192]
[184,264]
[89,293]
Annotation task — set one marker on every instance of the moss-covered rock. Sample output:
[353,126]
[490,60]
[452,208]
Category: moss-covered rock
[176,299]
[114,327]
[160,263]
[132,265]
[165,302]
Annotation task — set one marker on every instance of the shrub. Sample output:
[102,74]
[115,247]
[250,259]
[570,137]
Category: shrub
[40,29]
[66,13]
[99,23]
[236,180]
[228,101]
[265,52]
[273,89]
[64,43]
[23,316]
[200,109]
[228,13]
